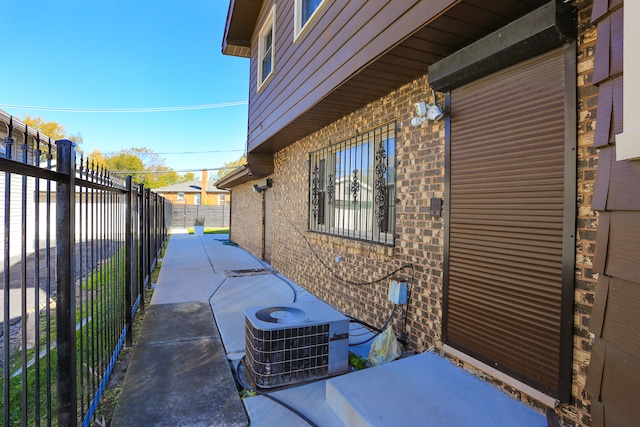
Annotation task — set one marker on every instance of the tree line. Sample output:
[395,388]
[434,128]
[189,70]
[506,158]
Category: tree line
[145,166]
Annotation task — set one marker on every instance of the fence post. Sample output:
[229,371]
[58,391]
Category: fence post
[8,141]
[155,227]
[128,250]
[141,247]
[65,300]
[147,245]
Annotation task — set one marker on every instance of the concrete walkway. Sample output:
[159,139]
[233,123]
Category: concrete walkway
[179,374]
[195,328]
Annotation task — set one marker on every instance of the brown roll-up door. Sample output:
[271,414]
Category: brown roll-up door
[506,220]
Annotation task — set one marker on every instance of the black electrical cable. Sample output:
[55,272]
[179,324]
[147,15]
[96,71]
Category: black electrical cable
[334,275]
[405,308]
[378,331]
[268,396]
[363,323]
[353,334]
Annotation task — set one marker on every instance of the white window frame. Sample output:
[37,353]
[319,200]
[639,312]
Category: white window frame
[197,199]
[222,199]
[268,26]
[298,26]
[180,197]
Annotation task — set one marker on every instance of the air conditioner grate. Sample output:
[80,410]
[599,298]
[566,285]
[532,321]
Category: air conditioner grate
[285,356]
[295,342]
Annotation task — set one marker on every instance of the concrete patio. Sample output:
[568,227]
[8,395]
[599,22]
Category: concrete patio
[194,332]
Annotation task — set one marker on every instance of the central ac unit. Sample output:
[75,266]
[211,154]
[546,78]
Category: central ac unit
[297,342]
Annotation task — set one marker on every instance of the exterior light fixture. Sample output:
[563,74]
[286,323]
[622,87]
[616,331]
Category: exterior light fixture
[427,112]
[263,185]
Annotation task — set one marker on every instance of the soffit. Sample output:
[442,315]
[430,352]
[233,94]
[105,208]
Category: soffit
[258,166]
[241,20]
[461,25]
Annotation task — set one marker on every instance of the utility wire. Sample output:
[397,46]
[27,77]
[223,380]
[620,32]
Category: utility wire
[126,110]
[377,331]
[182,152]
[128,172]
[326,266]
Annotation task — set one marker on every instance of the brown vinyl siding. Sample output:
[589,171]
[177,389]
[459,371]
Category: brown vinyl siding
[609,119]
[609,33]
[506,220]
[612,382]
[338,44]
[617,183]
[379,44]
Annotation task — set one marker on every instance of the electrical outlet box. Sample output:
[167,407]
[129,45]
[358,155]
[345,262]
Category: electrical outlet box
[398,291]
[435,207]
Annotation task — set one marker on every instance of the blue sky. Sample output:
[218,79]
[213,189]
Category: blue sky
[128,54]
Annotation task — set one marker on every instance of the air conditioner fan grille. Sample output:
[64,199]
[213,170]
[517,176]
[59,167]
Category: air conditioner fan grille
[285,356]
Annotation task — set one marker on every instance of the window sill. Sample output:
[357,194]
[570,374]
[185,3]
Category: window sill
[340,242]
[266,81]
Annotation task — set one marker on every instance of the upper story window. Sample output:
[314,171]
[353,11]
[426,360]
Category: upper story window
[196,199]
[352,187]
[305,10]
[222,199]
[181,197]
[266,48]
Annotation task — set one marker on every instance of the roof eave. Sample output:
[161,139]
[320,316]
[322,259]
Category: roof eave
[258,166]
[234,178]
[242,16]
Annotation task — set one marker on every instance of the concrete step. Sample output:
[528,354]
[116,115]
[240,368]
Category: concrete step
[424,390]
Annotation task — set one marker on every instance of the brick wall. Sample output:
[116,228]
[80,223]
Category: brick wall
[246,219]
[586,279]
[420,154]
[310,259]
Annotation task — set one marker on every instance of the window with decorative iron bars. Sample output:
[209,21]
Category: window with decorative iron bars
[352,187]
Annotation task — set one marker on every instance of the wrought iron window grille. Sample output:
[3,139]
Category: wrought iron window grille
[352,187]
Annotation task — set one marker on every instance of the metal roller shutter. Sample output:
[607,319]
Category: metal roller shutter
[506,220]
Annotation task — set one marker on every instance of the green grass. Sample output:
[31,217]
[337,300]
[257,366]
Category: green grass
[100,308]
[212,230]
[15,393]
[357,362]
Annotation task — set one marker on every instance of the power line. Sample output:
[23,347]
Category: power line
[183,152]
[168,171]
[125,110]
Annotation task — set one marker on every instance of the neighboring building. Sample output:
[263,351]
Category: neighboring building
[202,192]
[489,213]
[22,151]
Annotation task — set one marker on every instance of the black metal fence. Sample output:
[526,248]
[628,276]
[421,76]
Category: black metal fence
[79,247]
[183,216]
